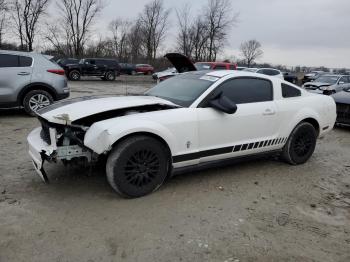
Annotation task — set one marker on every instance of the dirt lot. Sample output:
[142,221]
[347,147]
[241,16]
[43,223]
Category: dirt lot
[263,210]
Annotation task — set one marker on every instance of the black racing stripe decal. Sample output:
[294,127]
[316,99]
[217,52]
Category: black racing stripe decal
[212,152]
[227,150]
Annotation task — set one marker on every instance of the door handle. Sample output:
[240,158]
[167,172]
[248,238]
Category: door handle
[23,74]
[269,112]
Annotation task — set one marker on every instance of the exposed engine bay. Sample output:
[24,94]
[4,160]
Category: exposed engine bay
[67,141]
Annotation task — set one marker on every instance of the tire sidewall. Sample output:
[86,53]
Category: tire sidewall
[110,76]
[290,154]
[119,157]
[71,73]
[29,95]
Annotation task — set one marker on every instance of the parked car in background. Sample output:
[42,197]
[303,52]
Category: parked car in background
[30,80]
[67,61]
[240,68]
[266,71]
[290,77]
[127,69]
[328,84]
[144,69]
[189,121]
[163,75]
[312,76]
[342,100]
[215,66]
[106,69]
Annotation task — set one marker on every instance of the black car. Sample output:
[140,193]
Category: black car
[342,99]
[106,69]
[290,77]
[127,69]
[67,61]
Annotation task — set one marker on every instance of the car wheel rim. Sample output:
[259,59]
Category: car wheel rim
[110,76]
[302,144]
[75,76]
[142,168]
[38,101]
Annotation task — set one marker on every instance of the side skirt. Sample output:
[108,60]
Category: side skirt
[223,162]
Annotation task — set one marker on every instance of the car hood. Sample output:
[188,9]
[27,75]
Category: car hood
[68,111]
[316,84]
[180,62]
[342,97]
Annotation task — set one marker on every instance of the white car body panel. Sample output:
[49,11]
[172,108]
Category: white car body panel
[195,135]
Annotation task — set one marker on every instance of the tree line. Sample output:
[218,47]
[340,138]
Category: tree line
[202,36]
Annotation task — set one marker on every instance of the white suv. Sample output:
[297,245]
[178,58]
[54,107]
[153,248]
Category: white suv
[30,80]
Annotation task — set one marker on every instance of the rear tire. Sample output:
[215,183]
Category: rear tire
[110,76]
[137,166]
[36,100]
[74,75]
[300,145]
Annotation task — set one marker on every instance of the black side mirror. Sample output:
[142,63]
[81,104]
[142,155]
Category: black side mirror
[224,104]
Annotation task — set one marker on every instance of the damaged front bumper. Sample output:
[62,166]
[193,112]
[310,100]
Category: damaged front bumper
[40,151]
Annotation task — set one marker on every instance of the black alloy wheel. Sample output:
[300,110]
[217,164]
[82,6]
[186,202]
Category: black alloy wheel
[137,166]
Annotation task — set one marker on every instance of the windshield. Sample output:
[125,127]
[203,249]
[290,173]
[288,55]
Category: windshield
[327,79]
[81,61]
[184,89]
[250,70]
[202,66]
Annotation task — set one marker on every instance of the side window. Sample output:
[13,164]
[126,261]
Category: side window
[220,67]
[344,79]
[9,60]
[232,67]
[290,91]
[101,62]
[247,90]
[270,72]
[25,61]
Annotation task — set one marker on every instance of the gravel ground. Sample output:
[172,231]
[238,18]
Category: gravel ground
[262,210]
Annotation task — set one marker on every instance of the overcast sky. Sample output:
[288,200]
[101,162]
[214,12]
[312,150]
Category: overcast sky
[292,32]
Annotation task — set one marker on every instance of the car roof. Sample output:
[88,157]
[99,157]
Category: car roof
[19,53]
[223,73]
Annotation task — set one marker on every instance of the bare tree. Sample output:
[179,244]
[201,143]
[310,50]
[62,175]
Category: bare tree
[153,24]
[3,17]
[120,29]
[251,50]
[219,18]
[185,39]
[78,16]
[26,15]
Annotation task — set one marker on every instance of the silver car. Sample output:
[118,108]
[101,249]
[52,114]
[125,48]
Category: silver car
[30,80]
[328,84]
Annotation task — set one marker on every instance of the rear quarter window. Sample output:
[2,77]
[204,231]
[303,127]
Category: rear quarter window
[290,91]
[25,61]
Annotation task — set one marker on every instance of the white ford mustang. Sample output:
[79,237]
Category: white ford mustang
[194,119]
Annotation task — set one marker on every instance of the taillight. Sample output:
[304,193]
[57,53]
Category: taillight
[56,71]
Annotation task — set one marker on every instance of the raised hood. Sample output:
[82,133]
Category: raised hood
[68,111]
[180,62]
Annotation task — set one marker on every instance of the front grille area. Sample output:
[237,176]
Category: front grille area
[45,133]
[343,113]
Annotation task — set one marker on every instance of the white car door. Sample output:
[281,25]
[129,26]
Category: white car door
[253,128]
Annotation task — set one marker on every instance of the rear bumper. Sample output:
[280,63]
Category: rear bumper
[63,96]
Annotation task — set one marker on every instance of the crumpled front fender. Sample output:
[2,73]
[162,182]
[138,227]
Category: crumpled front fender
[102,136]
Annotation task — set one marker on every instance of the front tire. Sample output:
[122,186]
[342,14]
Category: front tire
[36,100]
[300,145]
[137,166]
